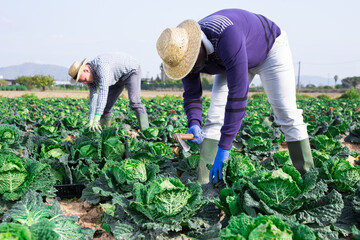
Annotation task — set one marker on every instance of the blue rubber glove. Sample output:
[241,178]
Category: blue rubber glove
[216,170]
[199,137]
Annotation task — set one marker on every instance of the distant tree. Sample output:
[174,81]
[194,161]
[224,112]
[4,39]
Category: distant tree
[339,86]
[26,81]
[310,85]
[351,82]
[3,82]
[205,81]
[42,81]
[158,79]
[336,78]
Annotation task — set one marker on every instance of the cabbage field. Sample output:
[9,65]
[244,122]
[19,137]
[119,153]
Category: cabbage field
[145,185]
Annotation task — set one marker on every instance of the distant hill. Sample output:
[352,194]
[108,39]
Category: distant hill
[59,73]
[316,80]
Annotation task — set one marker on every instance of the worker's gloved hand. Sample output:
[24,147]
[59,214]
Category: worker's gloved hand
[216,171]
[199,137]
[94,124]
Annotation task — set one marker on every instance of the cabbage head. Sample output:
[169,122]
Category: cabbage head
[7,134]
[260,228]
[12,173]
[44,221]
[326,144]
[320,157]
[279,189]
[166,204]
[86,149]
[113,148]
[52,151]
[18,175]
[259,144]
[14,231]
[47,130]
[258,129]
[10,135]
[345,175]
[238,166]
[193,161]
[161,149]
[71,122]
[119,177]
[151,132]
[167,200]
[129,170]
[172,196]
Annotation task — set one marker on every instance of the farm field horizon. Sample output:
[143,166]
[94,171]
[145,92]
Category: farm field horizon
[144,94]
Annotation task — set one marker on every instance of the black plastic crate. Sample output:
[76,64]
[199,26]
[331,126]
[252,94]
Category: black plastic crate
[69,190]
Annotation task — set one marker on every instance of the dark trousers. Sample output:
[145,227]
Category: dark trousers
[133,85]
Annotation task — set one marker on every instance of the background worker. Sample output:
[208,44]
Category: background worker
[235,45]
[110,73]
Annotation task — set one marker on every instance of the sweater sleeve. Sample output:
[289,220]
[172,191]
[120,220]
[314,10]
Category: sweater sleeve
[232,51]
[93,100]
[104,83]
[192,99]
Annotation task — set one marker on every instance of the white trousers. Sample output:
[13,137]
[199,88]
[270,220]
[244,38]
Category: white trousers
[278,79]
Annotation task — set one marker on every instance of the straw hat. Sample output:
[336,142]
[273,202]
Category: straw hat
[75,70]
[179,48]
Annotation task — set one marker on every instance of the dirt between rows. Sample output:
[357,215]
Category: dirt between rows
[89,217]
[144,94]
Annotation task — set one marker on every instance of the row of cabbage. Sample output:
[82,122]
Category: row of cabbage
[148,189]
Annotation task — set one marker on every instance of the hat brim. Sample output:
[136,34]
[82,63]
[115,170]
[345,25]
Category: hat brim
[187,63]
[72,80]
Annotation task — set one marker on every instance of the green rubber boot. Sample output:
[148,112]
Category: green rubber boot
[105,121]
[208,150]
[300,154]
[143,121]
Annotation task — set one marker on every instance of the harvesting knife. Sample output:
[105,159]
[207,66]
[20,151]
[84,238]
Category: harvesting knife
[180,137]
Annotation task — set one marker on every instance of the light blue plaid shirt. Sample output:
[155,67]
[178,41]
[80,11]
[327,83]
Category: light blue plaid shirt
[107,70]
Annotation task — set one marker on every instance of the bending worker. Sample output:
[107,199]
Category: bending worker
[234,45]
[110,73]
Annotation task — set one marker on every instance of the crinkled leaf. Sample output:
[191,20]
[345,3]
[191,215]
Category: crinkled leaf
[14,231]
[322,212]
[12,173]
[238,166]
[279,191]
[31,210]
[345,175]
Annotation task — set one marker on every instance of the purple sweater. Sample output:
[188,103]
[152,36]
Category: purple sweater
[241,41]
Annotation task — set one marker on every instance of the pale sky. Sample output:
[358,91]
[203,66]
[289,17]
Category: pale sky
[323,34]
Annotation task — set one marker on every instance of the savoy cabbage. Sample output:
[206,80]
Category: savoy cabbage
[43,221]
[165,205]
[18,175]
[119,177]
[244,227]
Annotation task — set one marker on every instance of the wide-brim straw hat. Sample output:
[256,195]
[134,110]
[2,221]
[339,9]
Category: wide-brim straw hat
[179,48]
[75,70]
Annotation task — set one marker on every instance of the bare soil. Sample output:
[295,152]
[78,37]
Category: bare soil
[89,217]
